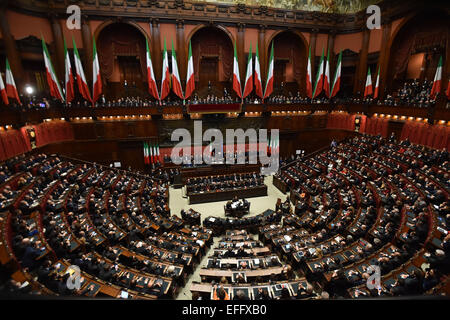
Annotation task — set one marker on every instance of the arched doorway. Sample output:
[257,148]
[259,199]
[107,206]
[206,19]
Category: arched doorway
[212,51]
[290,58]
[121,51]
[416,47]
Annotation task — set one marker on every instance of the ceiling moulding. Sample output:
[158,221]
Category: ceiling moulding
[222,12]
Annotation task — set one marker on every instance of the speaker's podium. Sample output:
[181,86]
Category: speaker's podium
[177,182]
[237,209]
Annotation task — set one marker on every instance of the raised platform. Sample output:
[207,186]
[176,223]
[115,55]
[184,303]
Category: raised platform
[227,195]
[217,169]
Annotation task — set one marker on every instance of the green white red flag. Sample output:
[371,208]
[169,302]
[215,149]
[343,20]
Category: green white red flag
[68,80]
[152,88]
[176,83]
[248,87]
[3,91]
[269,80]
[377,85]
[157,152]
[368,88]
[319,78]
[190,80]
[258,82]
[96,78]
[236,78]
[309,90]
[81,78]
[326,79]
[52,80]
[165,81]
[437,83]
[11,89]
[337,77]
[146,160]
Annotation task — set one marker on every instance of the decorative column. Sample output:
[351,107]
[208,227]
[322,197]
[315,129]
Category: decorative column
[181,49]
[362,65]
[446,66]
[312,44]
[156,48]
[87,47]
[11,49]
[330,46]
[58,46]
[240,48]
[264,51]
[384,57]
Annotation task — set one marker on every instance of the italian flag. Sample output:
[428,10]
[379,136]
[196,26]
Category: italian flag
[157,152]
[258,82]
[377,85]
[326,79]
[437,80]
[277,145]
[97,90]
[146,159]
[248,87]
[11,89]
[152,89]
[176,83]
[68,81]
[309,91]
[190,80]
[319,78]
[236,77]
[368,89]
[269,81]
[337,77]
[81,79]
[155,159]
[274,146]
[165,81]
[52,80]
[150,153]
[3,91]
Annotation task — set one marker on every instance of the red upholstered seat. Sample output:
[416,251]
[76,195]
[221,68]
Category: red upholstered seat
[3,153]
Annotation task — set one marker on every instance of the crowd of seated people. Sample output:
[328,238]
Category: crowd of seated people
[223,182]
[219,225]
[411,93]
[367,198]
[367,201]
[114,225]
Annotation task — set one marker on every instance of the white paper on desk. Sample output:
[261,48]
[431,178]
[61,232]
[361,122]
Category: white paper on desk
[23,285]
[124,295]
[239,244]
[212,219]
[287,238]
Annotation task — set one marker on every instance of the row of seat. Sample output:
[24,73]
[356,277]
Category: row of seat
[14,142]
[378,166]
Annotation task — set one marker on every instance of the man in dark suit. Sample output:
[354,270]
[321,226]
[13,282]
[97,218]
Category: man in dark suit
[31,254]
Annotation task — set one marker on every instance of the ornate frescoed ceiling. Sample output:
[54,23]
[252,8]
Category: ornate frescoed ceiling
[329,6]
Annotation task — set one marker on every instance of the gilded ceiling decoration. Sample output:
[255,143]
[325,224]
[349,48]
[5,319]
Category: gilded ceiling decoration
[328,6]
